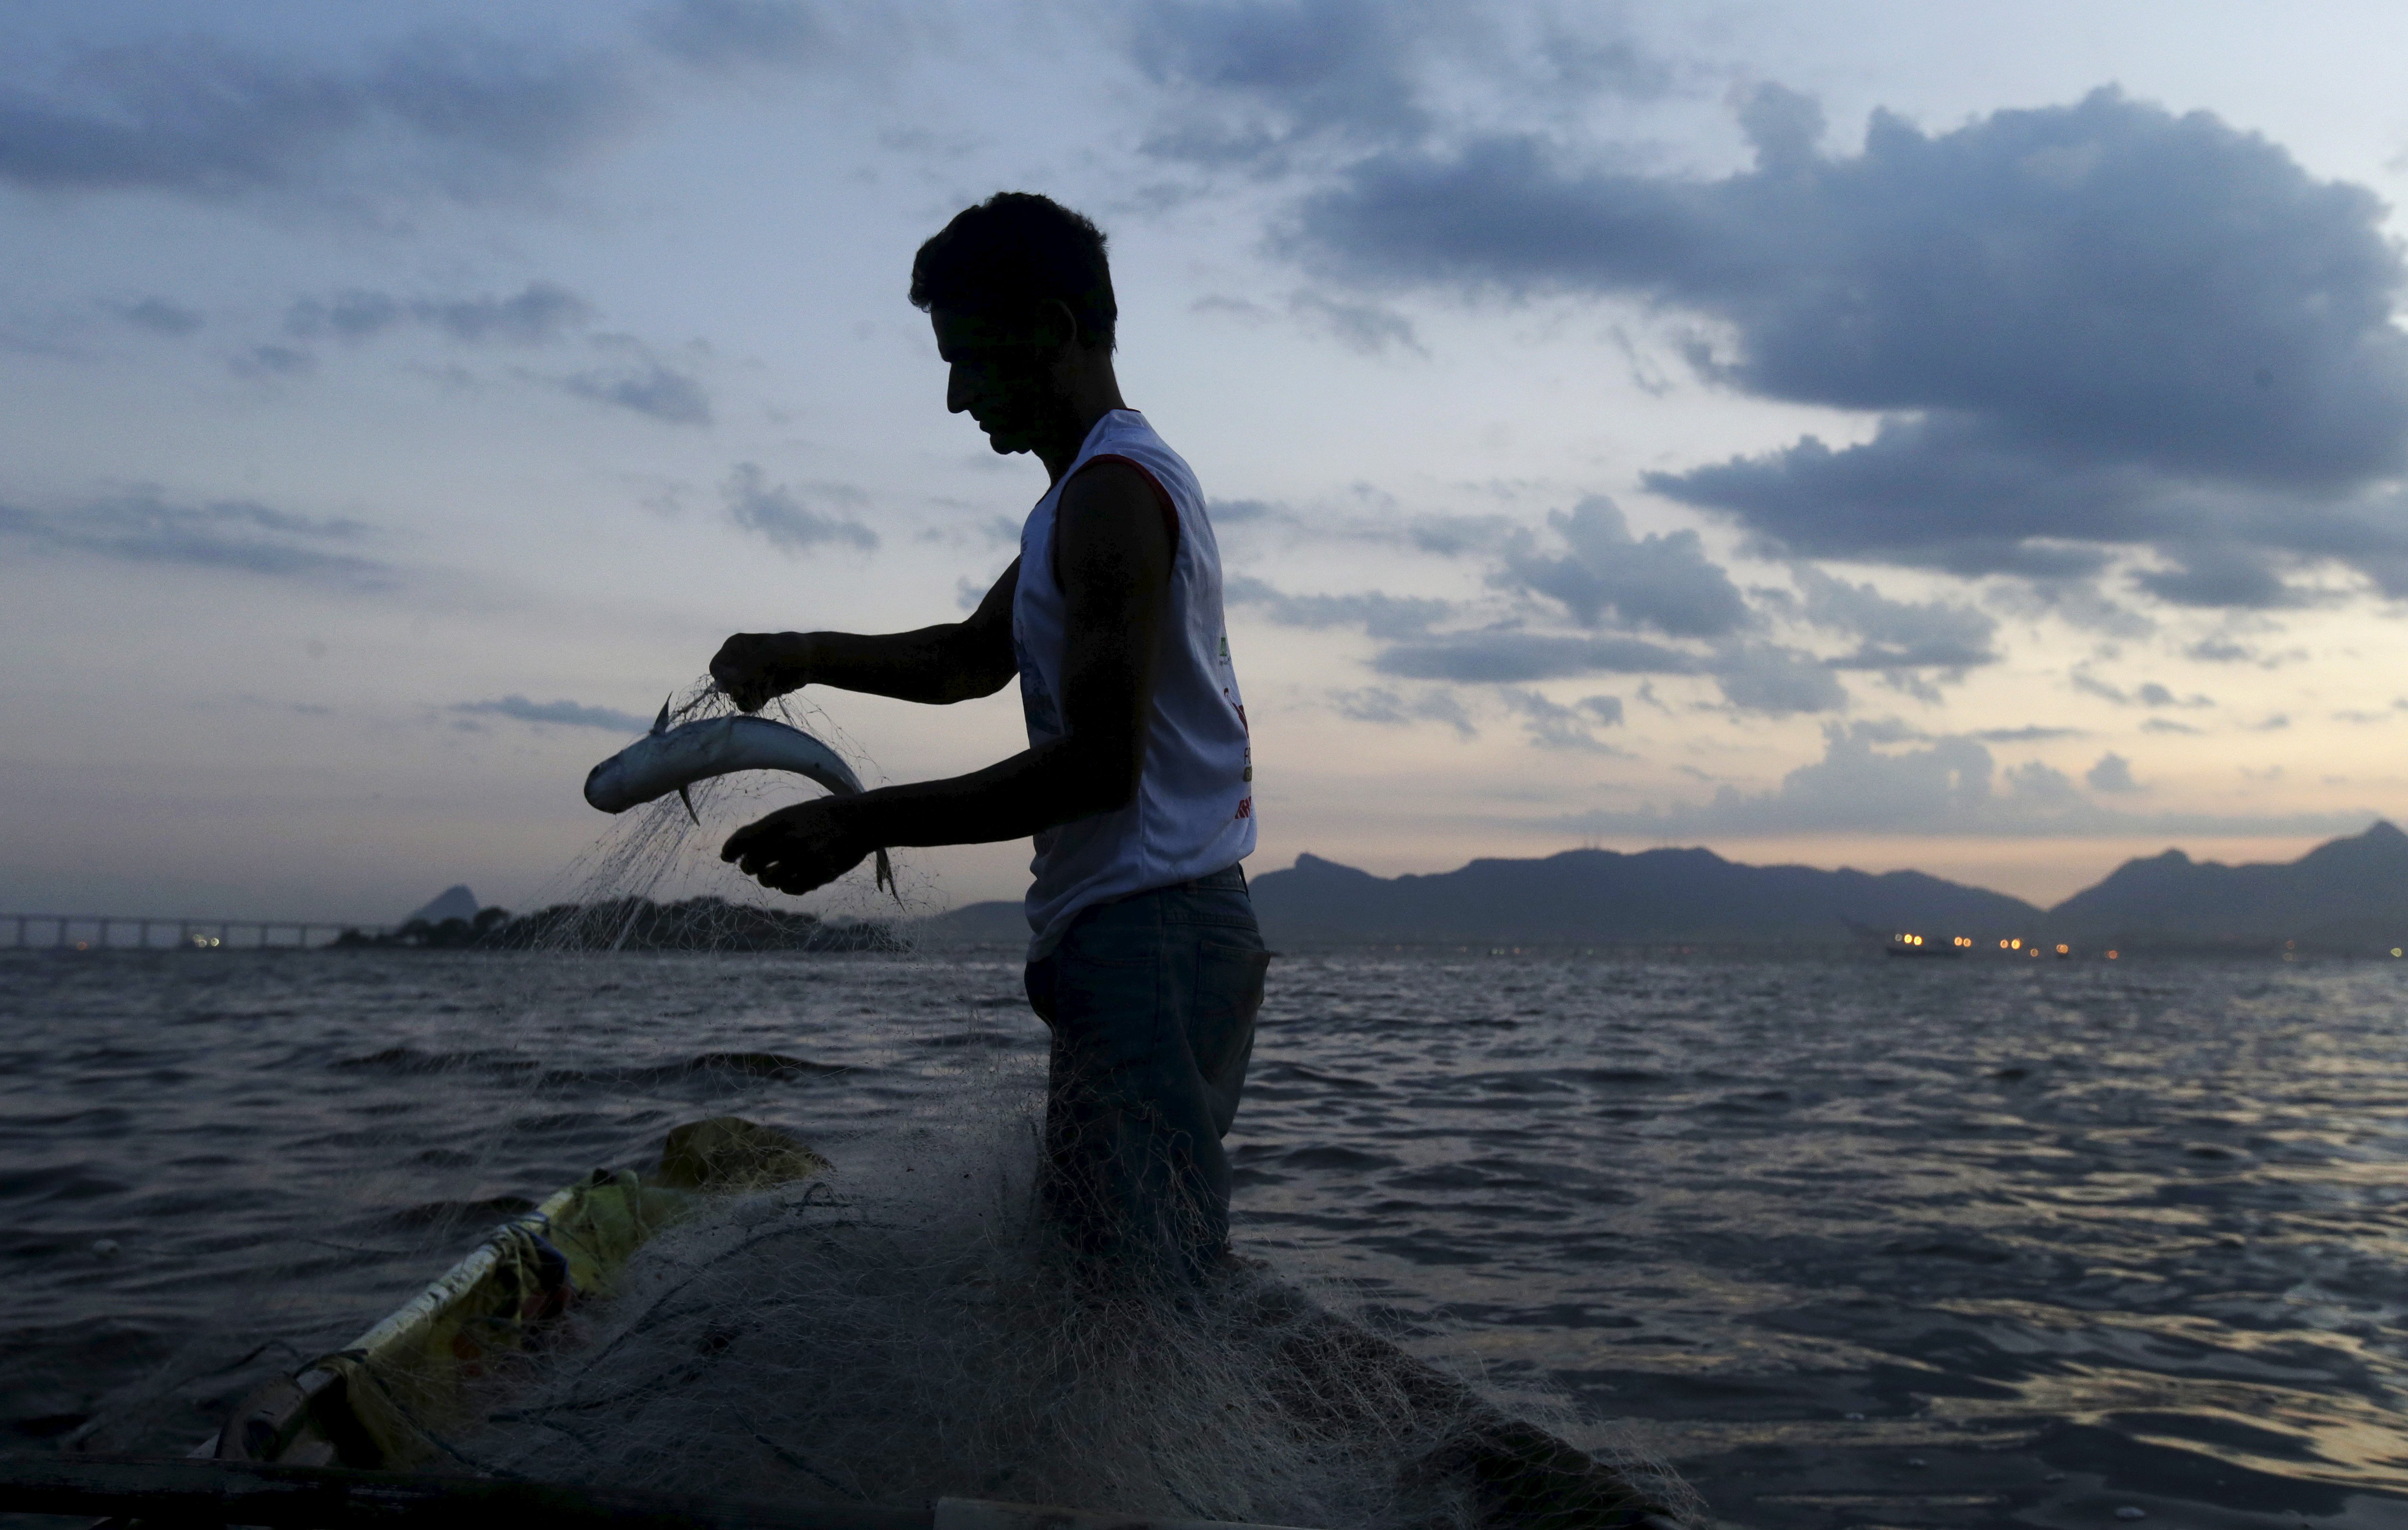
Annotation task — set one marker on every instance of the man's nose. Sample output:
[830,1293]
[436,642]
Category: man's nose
[957,391]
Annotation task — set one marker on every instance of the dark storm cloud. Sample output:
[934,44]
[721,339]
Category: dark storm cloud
[2089,327]
[235,535]
[568,714]
[469,115]
[1606,576]
[786,519]
[540,312]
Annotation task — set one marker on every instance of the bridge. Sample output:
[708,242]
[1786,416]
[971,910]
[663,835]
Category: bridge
[135,932]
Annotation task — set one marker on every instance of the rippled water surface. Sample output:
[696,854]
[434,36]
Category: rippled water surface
[1850,1243]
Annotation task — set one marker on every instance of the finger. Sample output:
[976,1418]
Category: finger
[741,841]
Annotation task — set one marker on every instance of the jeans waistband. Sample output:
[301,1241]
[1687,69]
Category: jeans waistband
[1231,879]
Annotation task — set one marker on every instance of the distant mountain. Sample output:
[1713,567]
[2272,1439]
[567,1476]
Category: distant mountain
[451,903]
[2344,894]
[1599,896]
[994,924]
[2348,895]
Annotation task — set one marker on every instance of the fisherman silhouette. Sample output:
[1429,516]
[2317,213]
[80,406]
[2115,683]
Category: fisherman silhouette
[1137,782]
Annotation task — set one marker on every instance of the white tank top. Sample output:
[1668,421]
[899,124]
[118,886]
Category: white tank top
[1194,812]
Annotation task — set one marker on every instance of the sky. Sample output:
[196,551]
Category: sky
[1964,438]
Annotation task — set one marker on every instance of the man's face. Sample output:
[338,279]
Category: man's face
[1000,375]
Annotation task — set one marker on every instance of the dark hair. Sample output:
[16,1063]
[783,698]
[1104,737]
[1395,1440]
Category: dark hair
[1011,252]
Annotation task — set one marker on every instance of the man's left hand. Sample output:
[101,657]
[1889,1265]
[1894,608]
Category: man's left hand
[799,848]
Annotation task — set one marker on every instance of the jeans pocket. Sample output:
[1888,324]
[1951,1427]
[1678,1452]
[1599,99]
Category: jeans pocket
[1221,1018]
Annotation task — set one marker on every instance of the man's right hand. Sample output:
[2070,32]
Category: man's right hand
[753,666]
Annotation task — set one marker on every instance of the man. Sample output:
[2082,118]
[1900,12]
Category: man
[1137,783]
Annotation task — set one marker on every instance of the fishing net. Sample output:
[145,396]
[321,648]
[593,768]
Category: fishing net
[906,1327]
[654,880]
[900,1326]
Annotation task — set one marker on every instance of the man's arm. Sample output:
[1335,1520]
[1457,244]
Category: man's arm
[953,661]
[1114,548]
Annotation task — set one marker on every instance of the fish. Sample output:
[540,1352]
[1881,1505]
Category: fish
[671,759]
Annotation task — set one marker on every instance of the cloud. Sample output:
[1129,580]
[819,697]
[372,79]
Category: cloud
[2112,773]
[1606,576]
[1259,84]
[2167,724]
[1952,785]
[1754,677]
[1778,681]
[738,36]
[537,313]
[1507,657]
[646,386]
[721,34]
[2031,733]
[1364,328]
[1238,512]
[1553,725]
[159,316]
[1896,633]
[273,361]
[138,526]
[2217,650]
[459,113]
[568,714]
[2088,329]
[1377,703]
[783,516]
[1383,616]
[2148,693]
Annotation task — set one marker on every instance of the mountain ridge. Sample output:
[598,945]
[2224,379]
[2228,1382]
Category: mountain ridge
[2348,893]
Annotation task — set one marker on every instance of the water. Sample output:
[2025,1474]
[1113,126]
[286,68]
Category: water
[1851,1242]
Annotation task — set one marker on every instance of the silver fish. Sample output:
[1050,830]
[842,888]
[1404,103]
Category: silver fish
[671,759]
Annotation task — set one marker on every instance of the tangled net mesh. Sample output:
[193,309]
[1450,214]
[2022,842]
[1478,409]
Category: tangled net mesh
[907,1328]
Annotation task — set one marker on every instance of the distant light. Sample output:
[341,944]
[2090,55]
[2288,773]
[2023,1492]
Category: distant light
[2394,951]
[2061,949]
[2014,945]
[2002,945]
[2112,955]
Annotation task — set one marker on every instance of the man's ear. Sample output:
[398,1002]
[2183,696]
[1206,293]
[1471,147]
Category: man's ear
[1056,325]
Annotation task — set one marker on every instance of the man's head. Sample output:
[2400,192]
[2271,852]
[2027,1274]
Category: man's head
[1021,294]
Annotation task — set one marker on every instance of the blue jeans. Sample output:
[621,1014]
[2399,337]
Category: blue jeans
[1152,1001]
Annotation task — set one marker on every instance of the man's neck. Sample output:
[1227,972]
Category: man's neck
[1090,393]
